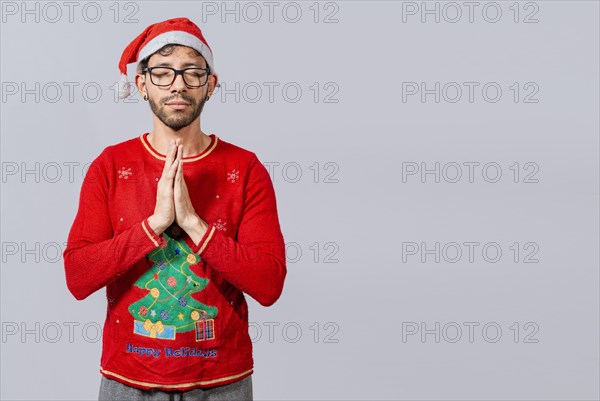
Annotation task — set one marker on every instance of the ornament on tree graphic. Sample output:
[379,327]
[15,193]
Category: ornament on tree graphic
[169,308]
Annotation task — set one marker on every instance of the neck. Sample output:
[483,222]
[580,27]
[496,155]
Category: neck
[192,138]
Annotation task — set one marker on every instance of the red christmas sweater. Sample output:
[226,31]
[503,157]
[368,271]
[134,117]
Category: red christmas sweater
[177,318]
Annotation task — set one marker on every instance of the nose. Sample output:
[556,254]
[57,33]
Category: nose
[178,85]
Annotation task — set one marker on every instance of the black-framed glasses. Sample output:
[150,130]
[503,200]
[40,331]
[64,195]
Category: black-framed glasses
[194,77]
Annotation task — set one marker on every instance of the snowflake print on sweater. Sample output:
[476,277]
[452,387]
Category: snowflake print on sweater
[125,173]
[220,224]
[233,176]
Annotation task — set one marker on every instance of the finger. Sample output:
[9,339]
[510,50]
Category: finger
[169,158]
[178,189]
[179,171]
[174,165]
[176,152]
[182,179]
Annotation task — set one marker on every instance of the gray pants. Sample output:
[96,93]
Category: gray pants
[112,390]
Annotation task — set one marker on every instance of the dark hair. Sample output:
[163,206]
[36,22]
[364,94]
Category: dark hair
[165,51]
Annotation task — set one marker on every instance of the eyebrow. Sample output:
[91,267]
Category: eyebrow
[184,65]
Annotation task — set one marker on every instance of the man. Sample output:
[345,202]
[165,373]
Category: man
[177,225]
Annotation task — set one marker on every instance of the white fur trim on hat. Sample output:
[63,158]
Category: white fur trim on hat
[124,89]
[180,38]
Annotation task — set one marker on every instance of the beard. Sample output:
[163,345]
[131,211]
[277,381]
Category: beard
[177,119]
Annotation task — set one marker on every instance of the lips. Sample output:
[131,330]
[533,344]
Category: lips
[178,105]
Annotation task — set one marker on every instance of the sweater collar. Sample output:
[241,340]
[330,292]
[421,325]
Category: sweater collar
[214,140]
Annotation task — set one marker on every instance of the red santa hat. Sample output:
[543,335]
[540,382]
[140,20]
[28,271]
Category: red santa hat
[179,31]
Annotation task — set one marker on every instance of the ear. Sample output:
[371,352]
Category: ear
[140,83]
[212,83]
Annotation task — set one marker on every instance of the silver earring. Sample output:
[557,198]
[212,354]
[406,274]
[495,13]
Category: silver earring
[145,97]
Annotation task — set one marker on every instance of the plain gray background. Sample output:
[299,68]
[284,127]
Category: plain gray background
[345,325]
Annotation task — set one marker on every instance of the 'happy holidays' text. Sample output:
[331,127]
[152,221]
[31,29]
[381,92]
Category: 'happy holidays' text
[171,352]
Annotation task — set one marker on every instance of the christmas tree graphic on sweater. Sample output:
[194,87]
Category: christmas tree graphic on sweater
[169,308]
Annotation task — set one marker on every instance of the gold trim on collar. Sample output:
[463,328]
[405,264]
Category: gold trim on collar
[206,152]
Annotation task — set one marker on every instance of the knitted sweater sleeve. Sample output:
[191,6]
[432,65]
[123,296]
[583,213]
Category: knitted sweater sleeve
[94,256]
[254,262]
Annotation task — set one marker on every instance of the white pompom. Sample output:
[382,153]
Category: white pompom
[124,87]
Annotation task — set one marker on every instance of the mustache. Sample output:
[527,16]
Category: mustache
[181,97]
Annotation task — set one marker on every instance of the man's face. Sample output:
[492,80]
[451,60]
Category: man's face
[177,106]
